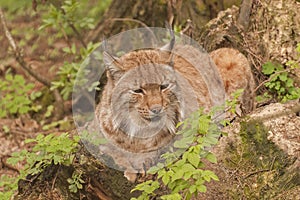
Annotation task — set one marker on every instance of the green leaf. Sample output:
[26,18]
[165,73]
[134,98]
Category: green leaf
[194,159]
[179,124]
[283,76]
[193,189]
[214,177]
[210,140]
[166,179]
[188,167]
[153,170]
[184,142]
[207,175]
[177,175]
[5,128]
[201,188]
[211,158]
[268,68]
[161,173]
[175,196]
[73,188]
[289,82]
[73,48]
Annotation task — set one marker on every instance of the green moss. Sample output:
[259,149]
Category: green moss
[261,169]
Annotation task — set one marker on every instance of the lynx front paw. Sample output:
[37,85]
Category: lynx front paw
[131,177]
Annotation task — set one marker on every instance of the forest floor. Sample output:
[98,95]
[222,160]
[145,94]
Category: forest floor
[42,50]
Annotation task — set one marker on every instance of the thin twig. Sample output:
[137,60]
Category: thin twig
[74,29]
[136,21]
[270,78]
[19,56]
[188,30]
[54,180]
[8,166]
[77,34]
[256,172]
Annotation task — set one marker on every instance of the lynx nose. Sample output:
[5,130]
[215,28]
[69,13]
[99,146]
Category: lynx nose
[156,109]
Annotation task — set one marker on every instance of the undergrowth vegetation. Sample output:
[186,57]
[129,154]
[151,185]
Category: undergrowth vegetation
[183,171]
[48,150]
[281,83]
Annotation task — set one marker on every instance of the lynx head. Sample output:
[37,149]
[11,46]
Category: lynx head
[143,91]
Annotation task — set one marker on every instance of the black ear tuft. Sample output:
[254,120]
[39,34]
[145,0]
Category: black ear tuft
[169,47]
[108,59]
[113,64]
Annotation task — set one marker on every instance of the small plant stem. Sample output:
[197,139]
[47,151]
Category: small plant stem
[256,172]
[74,29]
[77,34]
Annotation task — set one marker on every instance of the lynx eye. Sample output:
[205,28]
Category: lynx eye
[164,86]
[138,91]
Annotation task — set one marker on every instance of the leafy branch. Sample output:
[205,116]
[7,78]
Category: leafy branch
[182,170]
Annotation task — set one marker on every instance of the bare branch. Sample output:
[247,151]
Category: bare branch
[19,56]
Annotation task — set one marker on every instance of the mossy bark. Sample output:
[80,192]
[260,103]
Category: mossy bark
[254,166]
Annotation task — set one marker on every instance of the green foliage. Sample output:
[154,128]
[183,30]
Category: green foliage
[61,17]
[68,72]
[15,6]
[63,124]
[234,100]
[10,186]
[281,84]
[67,18]
[183,173]
[148,189]
[92,138]
[48,150]
[75,182]
[67,75]
[17,96]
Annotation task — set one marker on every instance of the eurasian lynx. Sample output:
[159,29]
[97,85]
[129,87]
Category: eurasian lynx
[146,96]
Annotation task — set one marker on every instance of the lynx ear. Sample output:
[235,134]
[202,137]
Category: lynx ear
[113,66]
[169,47]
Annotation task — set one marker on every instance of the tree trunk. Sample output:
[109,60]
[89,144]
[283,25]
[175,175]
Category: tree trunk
[122,16]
